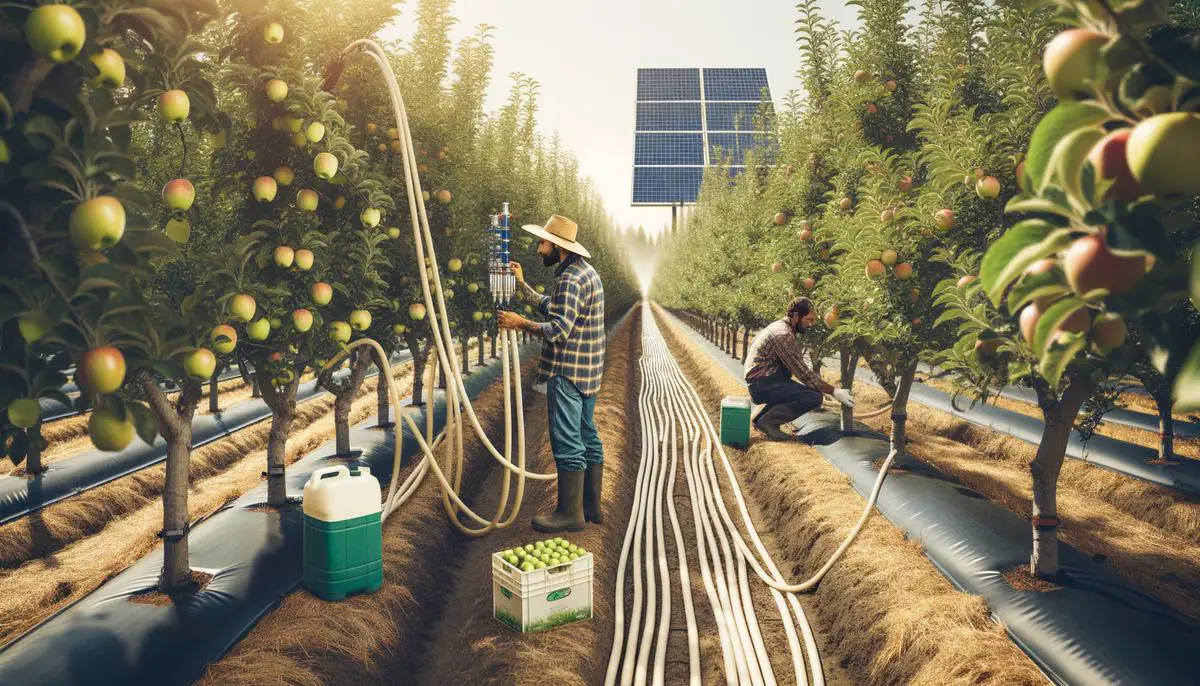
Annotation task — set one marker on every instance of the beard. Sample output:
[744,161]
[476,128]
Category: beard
[551,259]
[799,328]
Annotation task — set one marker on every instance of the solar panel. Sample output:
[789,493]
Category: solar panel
[689,119]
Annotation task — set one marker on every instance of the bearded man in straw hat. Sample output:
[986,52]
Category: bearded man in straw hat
[571,367]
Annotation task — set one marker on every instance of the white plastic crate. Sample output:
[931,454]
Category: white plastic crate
[543,598]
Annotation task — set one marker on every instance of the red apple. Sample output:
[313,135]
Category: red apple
[306,200]
[875,270]
[264,189]
[966,280]
[780,218]
[805,235]
[443,196]
[988,187]
[325,165]
[903,271]
[111,67]
[416,311]
[1089,265]
[179,194]
[889,86]
[809,283]
[944,219]
[776,266]
[284,175]
[224,339]
[1108,159]
[1071,59]
[321,293]
[101,370]
[904,184]
[302,319]
[174,106]
[304,259]
[860,76]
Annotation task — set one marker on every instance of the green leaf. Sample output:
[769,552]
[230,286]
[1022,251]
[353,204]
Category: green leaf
[1036,286]
[100,276]
[1068,158]
[1059,356]
[1042,205]
[1051,319]
[1196,276]
[1023,244]
[1059,122]
[143,421]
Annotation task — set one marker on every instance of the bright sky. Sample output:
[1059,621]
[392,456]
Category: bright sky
[585,54]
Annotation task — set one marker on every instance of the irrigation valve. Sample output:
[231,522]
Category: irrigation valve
[502,282]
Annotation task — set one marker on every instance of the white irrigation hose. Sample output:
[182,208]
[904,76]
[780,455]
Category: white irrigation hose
[457,398]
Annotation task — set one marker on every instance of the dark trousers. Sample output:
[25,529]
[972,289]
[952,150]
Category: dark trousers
[783,398]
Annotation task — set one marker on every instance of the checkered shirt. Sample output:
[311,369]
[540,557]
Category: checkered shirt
[574,334]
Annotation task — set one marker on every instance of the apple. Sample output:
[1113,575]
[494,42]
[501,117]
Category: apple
[284,256]
[174,106]
[200,363]
[1071,59]
[371,129]
[416,311]
[273,34]
[276,90]
[108,431]
[472,287]
[1089,265]
[1109,332]
[393,232]
[903,271]
[455,264]
[980,173]
[304,259]
[250,154]
[97,223]
[425,196]
[871,108]
[284,175]
[776,266]
[860,76]
[874,270]
[780,218]
[889,86]
[887,216]
[831,317]
[340,202]
[393,133]
[321,293]
[443,196]
[339,331]
[1108,158]
[55,32]
[1020,171]
[944,219]
[302,319]
[540,288]
[259,329]
[889,257]
[34,326]
[1164,154]
[307,199]
[264,189]
[966,280]
[315,132]
[276,323]
[449,294]
[242,307]
[805,235]
[325,165]
[111,67]
[24,413]
[179,194]
[904,184]
[399,328]
[477,316]
[914,295]
[5,156]
[360,320]
[846,203]
[382,147]
[1027,321]
[370,217]
[1077,322]
[988,188]
[809,283]
[299,140]
[223,338]
[987,346]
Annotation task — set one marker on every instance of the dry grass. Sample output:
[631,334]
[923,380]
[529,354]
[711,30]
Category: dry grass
[233,466]
[1184,447]
[1150,534]
[306,641]
[892,616]
[1021,579]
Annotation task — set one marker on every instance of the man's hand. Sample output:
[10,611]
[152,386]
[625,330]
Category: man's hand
[844,397]
[515,268]
[511,320]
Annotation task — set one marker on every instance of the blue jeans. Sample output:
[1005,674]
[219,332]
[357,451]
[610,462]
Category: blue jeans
[573,436]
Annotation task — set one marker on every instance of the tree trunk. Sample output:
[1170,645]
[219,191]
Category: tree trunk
[1045,467]
[382,398]
[1166,424]
[482,341]
[282,402]
[33,452]
[733,339]
[849,367]
[495,352]
[343,403]
[745,344]
[175,424]
[214,405]
[419,361]
[466,355]
[255,391]
[900,407]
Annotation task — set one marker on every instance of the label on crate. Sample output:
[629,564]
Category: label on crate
[507,593]
[558,595]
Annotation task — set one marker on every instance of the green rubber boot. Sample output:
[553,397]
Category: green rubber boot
[593,482]
[568,516]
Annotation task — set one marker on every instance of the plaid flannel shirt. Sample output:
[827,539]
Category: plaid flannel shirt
[775,349]
[574,334]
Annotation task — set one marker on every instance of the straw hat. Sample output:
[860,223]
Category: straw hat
[560,231]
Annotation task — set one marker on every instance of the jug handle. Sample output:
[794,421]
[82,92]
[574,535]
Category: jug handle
[341,470]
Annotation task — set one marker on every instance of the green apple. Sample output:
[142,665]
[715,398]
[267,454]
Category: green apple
[321,293]
[242,307]
[273,33]
[399,328]
[315,132]
[174,106]
[224,339]
[5,156]
[360,320]
[325,164]
[1164,154]
[455,264]
[264,189]
[304,259]
[988,188]
[540,288]
[101,370]
[178,230]
[448,293]
[529,547]
[370,217]
[293,124]
[528,566]
[276,90]
[284,175]
[97,223]
[276,323]
[24,413]
[111,67]
[284,256]
[200,364]
[307,199]
[108,431]
[259,329]
[179,194]
[302,319]
[339,331]
[55,32]
[393,232]
[540,564]
[34,326]
[472,287]
[477,316]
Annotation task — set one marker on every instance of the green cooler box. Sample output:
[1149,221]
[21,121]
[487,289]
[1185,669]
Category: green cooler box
[343,536]
[735,420]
